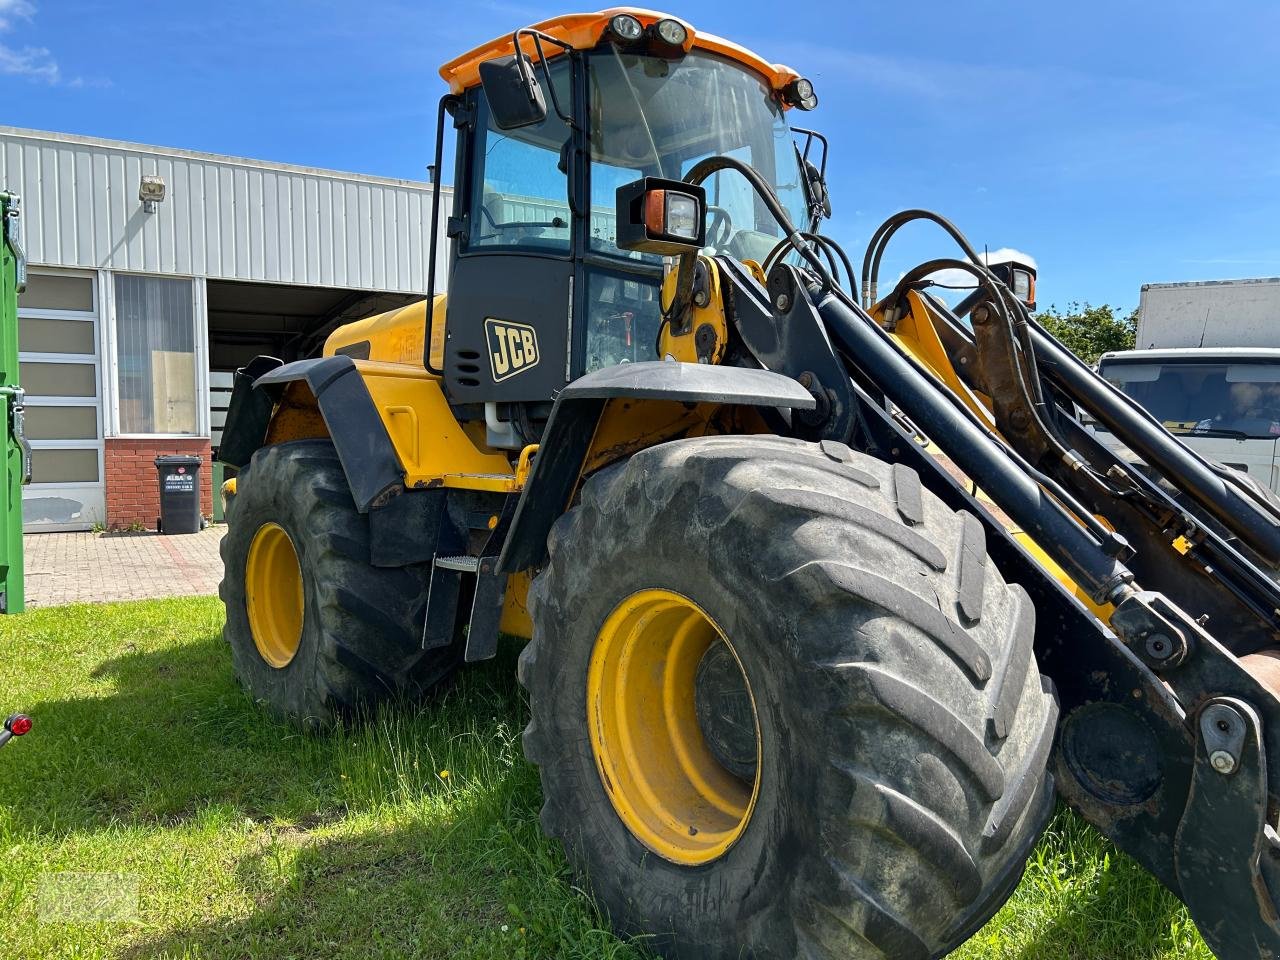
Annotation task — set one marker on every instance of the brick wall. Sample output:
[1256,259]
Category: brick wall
[133,490]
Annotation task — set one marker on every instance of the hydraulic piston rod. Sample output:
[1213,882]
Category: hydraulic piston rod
[865,346]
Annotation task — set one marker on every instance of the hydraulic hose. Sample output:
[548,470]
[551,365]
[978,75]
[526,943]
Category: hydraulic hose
[711,165]
[880,241]
[830,249]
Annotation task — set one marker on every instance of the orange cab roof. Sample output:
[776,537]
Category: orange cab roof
[583,30]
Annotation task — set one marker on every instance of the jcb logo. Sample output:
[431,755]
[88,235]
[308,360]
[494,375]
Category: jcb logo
[513,348]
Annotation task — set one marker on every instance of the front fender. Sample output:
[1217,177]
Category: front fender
[567,440]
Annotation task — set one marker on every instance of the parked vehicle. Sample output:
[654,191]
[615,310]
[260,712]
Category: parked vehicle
[794,691]
[1222,402]
[1209,313]
[1208,368]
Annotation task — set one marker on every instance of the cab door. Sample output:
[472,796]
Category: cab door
[511,288]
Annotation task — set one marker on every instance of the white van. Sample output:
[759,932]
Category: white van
[1223,402]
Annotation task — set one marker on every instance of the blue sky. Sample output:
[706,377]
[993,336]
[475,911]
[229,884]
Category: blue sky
[1119,143]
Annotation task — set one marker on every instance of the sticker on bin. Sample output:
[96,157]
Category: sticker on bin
[179,481]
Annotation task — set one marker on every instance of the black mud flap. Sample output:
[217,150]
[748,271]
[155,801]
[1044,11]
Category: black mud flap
[248,413]
[368,456]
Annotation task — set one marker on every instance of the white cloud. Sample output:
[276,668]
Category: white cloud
[34,63]
[962,278]
[13,10]
[1005,254]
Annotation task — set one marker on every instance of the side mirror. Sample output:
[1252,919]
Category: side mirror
[514,94]
[819,196]
[667,217]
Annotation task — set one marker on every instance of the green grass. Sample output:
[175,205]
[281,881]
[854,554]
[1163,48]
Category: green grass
[415,836]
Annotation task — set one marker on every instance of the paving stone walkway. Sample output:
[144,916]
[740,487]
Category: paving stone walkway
[79,567]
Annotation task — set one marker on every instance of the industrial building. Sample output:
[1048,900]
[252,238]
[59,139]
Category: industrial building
[153,274]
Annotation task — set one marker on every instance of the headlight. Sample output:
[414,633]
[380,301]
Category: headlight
[665,217]
[626,27]
[682,216]
[1020,278]
[672,32]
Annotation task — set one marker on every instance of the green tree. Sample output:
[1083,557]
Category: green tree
[1090,331]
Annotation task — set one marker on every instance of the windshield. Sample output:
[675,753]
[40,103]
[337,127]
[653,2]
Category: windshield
[1207,398]
[655,117]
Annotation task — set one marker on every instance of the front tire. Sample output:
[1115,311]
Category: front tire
[315,630]
[901,727]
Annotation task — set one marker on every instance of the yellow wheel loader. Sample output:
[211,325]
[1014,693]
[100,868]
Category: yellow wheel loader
[828,590]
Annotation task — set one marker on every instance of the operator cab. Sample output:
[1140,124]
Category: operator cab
[537,181]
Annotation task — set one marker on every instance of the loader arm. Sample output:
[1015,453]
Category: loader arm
[1153,771]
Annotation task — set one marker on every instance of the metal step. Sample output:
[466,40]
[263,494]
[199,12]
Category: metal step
[462,564]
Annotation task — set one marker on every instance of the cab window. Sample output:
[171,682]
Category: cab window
[519,186]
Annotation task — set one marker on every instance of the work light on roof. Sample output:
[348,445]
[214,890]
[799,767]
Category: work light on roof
[672,32]
[626,27]
[800,93]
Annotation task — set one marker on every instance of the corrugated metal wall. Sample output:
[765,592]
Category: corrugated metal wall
[222,217]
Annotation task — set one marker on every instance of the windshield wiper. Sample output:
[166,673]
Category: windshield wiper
[557,222]
[1220,432]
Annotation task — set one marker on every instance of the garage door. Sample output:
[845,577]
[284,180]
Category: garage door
[60,370]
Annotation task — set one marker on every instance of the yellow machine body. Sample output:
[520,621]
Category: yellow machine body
[436,450]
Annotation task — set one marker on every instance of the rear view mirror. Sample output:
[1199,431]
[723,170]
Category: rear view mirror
[514,94]
[819,197]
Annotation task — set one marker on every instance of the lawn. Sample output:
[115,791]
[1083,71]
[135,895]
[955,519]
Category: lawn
[155,792]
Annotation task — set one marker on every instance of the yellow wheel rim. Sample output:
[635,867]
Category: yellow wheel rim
[655,763]
[273,595]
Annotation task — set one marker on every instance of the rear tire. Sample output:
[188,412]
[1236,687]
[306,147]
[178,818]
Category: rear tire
[361,626]
[903,728]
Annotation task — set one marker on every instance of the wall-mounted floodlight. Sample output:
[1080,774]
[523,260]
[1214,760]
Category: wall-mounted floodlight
[151,192]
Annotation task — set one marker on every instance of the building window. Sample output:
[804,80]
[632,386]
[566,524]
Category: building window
[64,466]
[55,291]
[40,335]
[155,354]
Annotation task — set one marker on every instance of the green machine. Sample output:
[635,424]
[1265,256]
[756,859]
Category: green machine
[15,463]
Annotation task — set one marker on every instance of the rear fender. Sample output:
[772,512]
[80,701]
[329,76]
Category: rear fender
[324,396]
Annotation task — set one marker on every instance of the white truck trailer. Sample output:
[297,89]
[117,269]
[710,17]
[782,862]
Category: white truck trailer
[1208,367]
